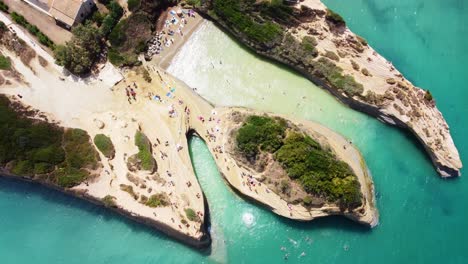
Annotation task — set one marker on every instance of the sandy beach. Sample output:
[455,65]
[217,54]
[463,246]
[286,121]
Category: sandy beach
[164,59]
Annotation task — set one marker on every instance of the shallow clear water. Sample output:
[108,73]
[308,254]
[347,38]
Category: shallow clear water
[422,216]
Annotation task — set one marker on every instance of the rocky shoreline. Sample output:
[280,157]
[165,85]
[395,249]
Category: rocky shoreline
[394,100]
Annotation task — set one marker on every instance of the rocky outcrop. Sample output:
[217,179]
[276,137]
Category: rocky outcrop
[325,51]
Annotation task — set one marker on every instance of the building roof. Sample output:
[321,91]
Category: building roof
[65,10]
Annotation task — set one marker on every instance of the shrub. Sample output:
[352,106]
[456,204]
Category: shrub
[5,63]
[133,4]
[43,39]
[146,75]
[109,22]
[335,18]
[260,133]
[129,190]
[104,144]
[308,44]
[3,27]
[109,201]
[428,96]
[157,200]
[365,72]
[232,13]
[80,53]
[194,2]
[144,153]
[307,201]
[318,170]
[191,215]
[355,65]
[97,18]
[362,40]
[334,75]
[4,7]
[36,147]
[80,151]
[68,177]
[332,55]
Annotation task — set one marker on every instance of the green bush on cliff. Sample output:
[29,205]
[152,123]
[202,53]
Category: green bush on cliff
[109,201]
[157,200]
[144,154]
[104,144]
[233,13]
[4,7]
[325,68]
[191,215]
[5,63]
[317,169]
[133,4]
[33,147]
[335,18]
[260,133]
[309,43]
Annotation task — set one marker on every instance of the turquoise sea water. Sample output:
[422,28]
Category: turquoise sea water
[423,218]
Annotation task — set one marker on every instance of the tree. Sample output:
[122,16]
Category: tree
[80,53]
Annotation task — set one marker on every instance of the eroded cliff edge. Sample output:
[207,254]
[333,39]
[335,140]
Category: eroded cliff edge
[316,42]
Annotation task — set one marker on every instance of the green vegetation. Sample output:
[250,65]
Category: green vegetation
[366,72]
[260,133]
[335,18]
[428,96]
[31,147]
[309,43]
[43,39]
[362,40]
[129,190]
[109,201]
[157,200]
[128,39]
[317,169]
[133,4]
[104,144]
[194,2]
[191,215]
[144,154]
[97,18]
[109,21]
[3,27]
[119,59]
[332,55]
[80,154]
[5,63]
[277,10]
[3,7]
[334,75]
[81,52]
[233,13]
